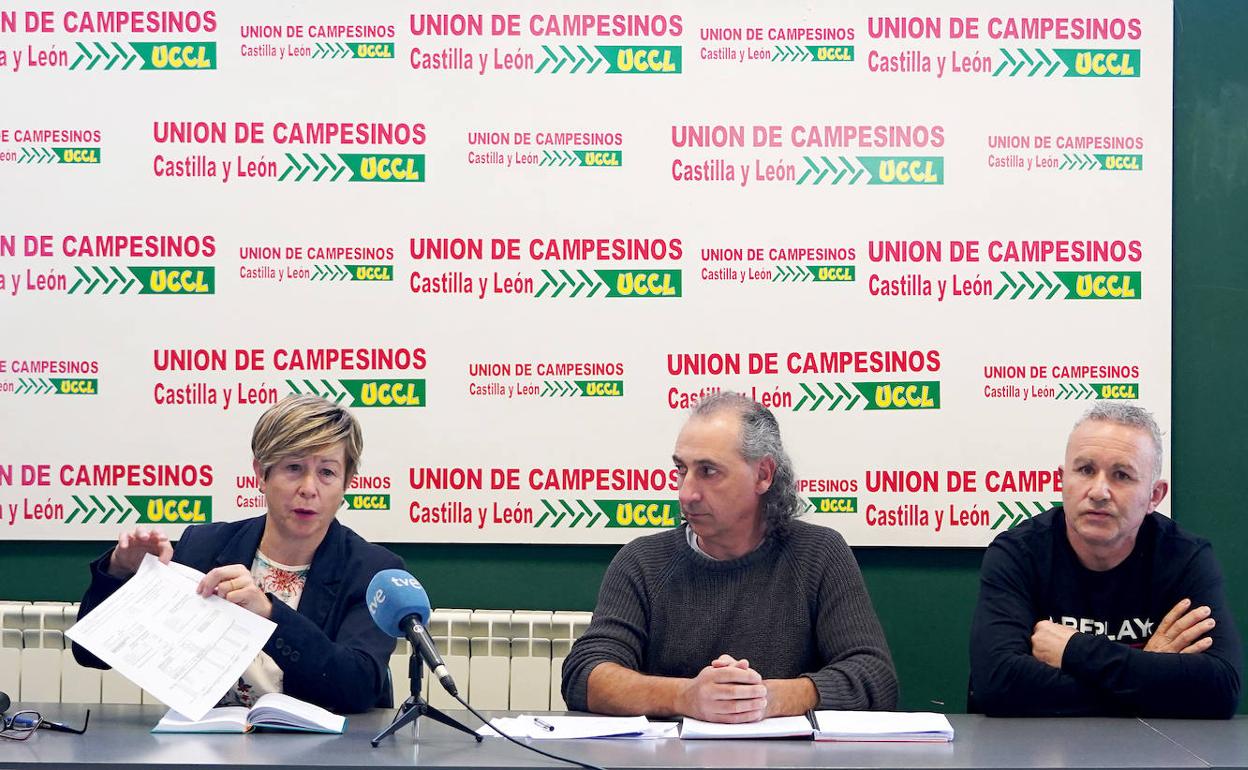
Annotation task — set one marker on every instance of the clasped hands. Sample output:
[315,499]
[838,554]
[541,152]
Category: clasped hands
[232,582]
[728,690]
[1182,630]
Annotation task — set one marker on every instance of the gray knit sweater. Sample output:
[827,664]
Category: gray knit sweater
[795,606]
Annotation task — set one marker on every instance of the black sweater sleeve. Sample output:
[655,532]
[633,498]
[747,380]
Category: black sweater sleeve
[1006,680]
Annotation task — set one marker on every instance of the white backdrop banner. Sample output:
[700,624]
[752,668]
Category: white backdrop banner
[521,239]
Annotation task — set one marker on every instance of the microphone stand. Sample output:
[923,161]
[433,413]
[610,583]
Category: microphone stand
[415,707]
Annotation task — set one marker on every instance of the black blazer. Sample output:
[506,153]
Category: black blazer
[329,650]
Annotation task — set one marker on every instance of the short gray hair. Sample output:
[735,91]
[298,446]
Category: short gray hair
[760,437]
[1122,413]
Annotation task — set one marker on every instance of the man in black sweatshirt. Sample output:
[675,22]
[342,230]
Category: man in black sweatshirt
[742,612]
[1102,606]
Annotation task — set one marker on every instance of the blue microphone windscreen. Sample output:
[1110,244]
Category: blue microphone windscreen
[393,594]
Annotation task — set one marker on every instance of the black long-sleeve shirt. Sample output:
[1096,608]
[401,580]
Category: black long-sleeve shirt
[1031,573]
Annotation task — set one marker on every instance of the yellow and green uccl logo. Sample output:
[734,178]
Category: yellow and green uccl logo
[611,60]
[873,169]
[813,53]
[595,158]
[1100,62]
[640,514]
[373,392]
[172,509]
[1118,391]
[179,56]
[142,509]
[354,167]
[378,272]
[171,279]
[1077,161]
[871,396]
[821,273]
[582,388]
[635,284]
[77,154]
[616,514]
[367,502]
[373,50]
[1078,285]
[71,155]
[1069,63]
[835,504]
[1101,285]
[58,386]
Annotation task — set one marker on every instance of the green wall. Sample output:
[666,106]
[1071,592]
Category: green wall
[925,596]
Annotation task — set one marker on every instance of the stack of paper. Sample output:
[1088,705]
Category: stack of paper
[922,727]
[775,727]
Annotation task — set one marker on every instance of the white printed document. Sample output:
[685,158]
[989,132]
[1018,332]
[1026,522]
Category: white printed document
[773,727]
[913,727]
[182,648]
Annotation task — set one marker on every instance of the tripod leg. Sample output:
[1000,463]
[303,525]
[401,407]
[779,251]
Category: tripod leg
[436,715]
[408,712]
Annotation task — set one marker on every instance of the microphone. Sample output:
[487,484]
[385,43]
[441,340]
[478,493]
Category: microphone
[4,702]
[400,607]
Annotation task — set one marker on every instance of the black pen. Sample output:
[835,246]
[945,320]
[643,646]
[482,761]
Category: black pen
[547,726]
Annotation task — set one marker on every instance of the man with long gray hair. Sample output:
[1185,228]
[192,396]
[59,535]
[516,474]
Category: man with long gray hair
[743,612]
[1102,606]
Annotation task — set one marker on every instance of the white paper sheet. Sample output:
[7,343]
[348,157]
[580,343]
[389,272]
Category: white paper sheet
[158,633]
[774,727]
[921,726]
[575,727]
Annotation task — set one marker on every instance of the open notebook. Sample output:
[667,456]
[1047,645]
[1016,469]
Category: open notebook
[273,711]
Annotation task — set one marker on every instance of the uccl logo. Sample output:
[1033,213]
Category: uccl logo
[75,387]
[642,60]
[832,272]
[176,280]
[641,283]
[78,154]
[1118,391]
[356,502]
[1101,285]
[1100,62]
[172,509]
[600,388]
[386,393]
[900,395]
[641,514]
[177,56]
[835,504]
[385,168]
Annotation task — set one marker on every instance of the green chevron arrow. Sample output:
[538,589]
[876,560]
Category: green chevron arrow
[559,281]
[1020,512]
[1042,288]
[326,389]
[558,389]
[559,510]
[581,61]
